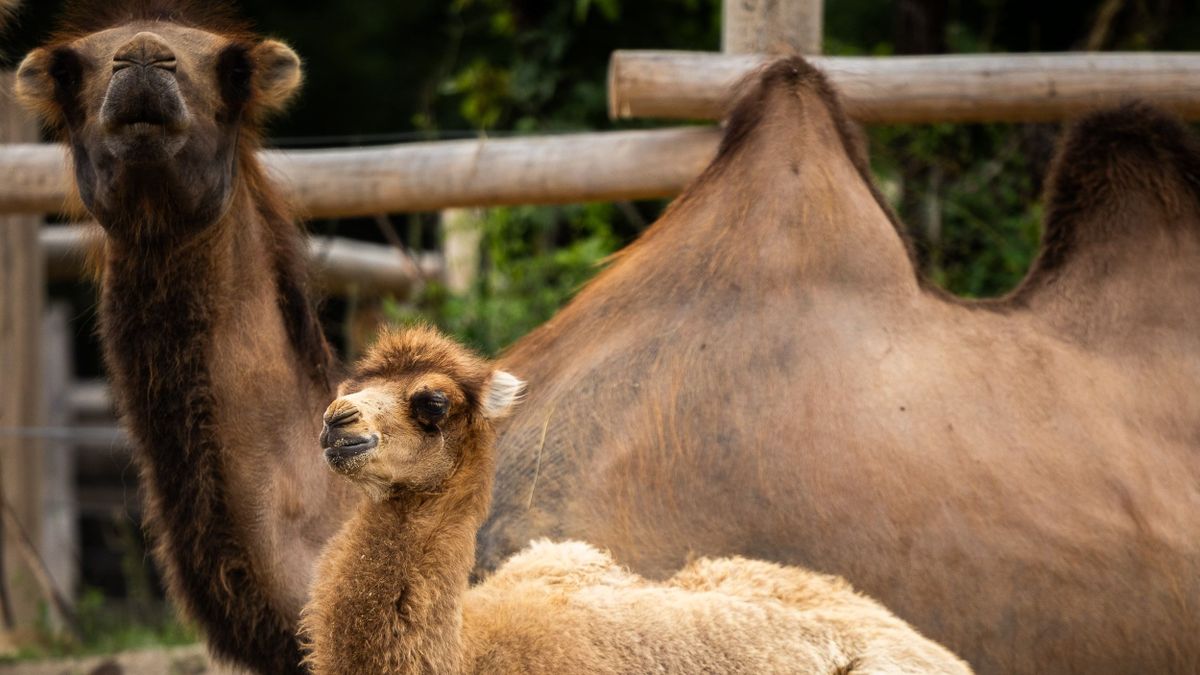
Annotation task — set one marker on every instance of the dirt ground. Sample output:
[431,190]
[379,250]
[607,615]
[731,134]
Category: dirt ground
[191,660]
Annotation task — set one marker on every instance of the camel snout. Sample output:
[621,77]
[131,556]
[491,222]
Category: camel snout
[341,414]
[345,437]
[145,49]
[346,451]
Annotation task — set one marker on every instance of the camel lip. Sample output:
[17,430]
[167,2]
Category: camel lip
[342,453]
[145,143]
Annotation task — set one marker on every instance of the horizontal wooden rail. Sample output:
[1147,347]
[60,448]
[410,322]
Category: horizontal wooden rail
[557,169]
[905,89]
[90,398]
[340,265]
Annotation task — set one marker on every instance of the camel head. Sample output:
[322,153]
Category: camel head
[417,404]
[156,99]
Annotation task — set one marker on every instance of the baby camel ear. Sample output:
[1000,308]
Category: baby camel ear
[503,391]
[277,75]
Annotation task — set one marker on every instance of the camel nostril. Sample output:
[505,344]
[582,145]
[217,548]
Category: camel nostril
[342,417]
[167,64]
[145,49]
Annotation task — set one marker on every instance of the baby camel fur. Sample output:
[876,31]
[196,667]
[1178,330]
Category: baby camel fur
[413,426]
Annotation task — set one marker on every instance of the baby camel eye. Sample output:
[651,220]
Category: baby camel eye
[431,405]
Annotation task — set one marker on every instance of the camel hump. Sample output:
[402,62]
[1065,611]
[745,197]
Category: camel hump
[1123,180]
[792,168]
[783,103]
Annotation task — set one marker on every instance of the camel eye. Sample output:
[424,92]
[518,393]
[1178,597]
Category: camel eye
[430,405]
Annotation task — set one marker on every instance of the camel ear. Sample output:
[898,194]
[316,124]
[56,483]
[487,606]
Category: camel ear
[277,74]
[34,85]
[503,391]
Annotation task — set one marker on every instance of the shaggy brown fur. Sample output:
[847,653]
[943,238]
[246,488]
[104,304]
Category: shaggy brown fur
[1107,165]
[391,594]
[205,319]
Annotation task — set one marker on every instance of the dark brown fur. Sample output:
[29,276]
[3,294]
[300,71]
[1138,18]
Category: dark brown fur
[83,17]
[1104,160]
[156,324]
[165,286]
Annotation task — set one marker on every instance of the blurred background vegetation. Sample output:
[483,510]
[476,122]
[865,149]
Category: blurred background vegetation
[384,71]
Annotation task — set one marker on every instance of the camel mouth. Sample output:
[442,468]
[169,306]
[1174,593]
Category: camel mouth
[346,453]
[143,116]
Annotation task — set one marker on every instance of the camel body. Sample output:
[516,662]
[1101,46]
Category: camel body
[566,607]
[761,374]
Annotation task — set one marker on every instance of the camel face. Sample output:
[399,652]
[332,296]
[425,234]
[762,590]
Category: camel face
[393,434]
[416,402]
[152,112]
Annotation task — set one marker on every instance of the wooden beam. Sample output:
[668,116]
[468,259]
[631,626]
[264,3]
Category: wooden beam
[772,26]
[917,89]
[21,297]
[339,265]
[600,166]
[91,398]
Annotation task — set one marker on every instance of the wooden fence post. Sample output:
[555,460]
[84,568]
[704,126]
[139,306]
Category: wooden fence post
[462,233]
[60,510]
[772,26]
[21,291]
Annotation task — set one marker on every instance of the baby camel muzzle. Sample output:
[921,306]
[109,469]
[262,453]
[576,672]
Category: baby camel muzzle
[343,447]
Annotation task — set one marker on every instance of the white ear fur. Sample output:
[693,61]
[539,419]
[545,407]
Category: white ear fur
[503,391]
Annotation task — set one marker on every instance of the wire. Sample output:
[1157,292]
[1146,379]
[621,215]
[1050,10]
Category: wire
[353,140]
[83,435]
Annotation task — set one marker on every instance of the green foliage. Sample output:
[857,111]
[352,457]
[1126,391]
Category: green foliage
[106,627]
[534,261]
[967,195]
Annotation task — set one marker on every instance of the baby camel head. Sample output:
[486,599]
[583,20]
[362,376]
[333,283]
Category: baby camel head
[416,405]
[156,98]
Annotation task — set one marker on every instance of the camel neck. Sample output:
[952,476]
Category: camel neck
[203,357]
[401,570]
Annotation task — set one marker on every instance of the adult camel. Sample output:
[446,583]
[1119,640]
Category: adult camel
[762,373]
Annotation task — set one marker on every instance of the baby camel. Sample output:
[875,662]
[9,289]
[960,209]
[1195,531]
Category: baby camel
[413,427]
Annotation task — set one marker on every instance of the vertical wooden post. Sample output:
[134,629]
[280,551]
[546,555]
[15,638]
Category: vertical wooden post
[21,289]
[772,26]
[60,511]
[461,235]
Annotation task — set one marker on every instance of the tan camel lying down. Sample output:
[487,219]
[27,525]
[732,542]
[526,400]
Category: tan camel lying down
[413,427]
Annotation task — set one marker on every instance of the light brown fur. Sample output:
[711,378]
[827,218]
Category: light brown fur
[391,596]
